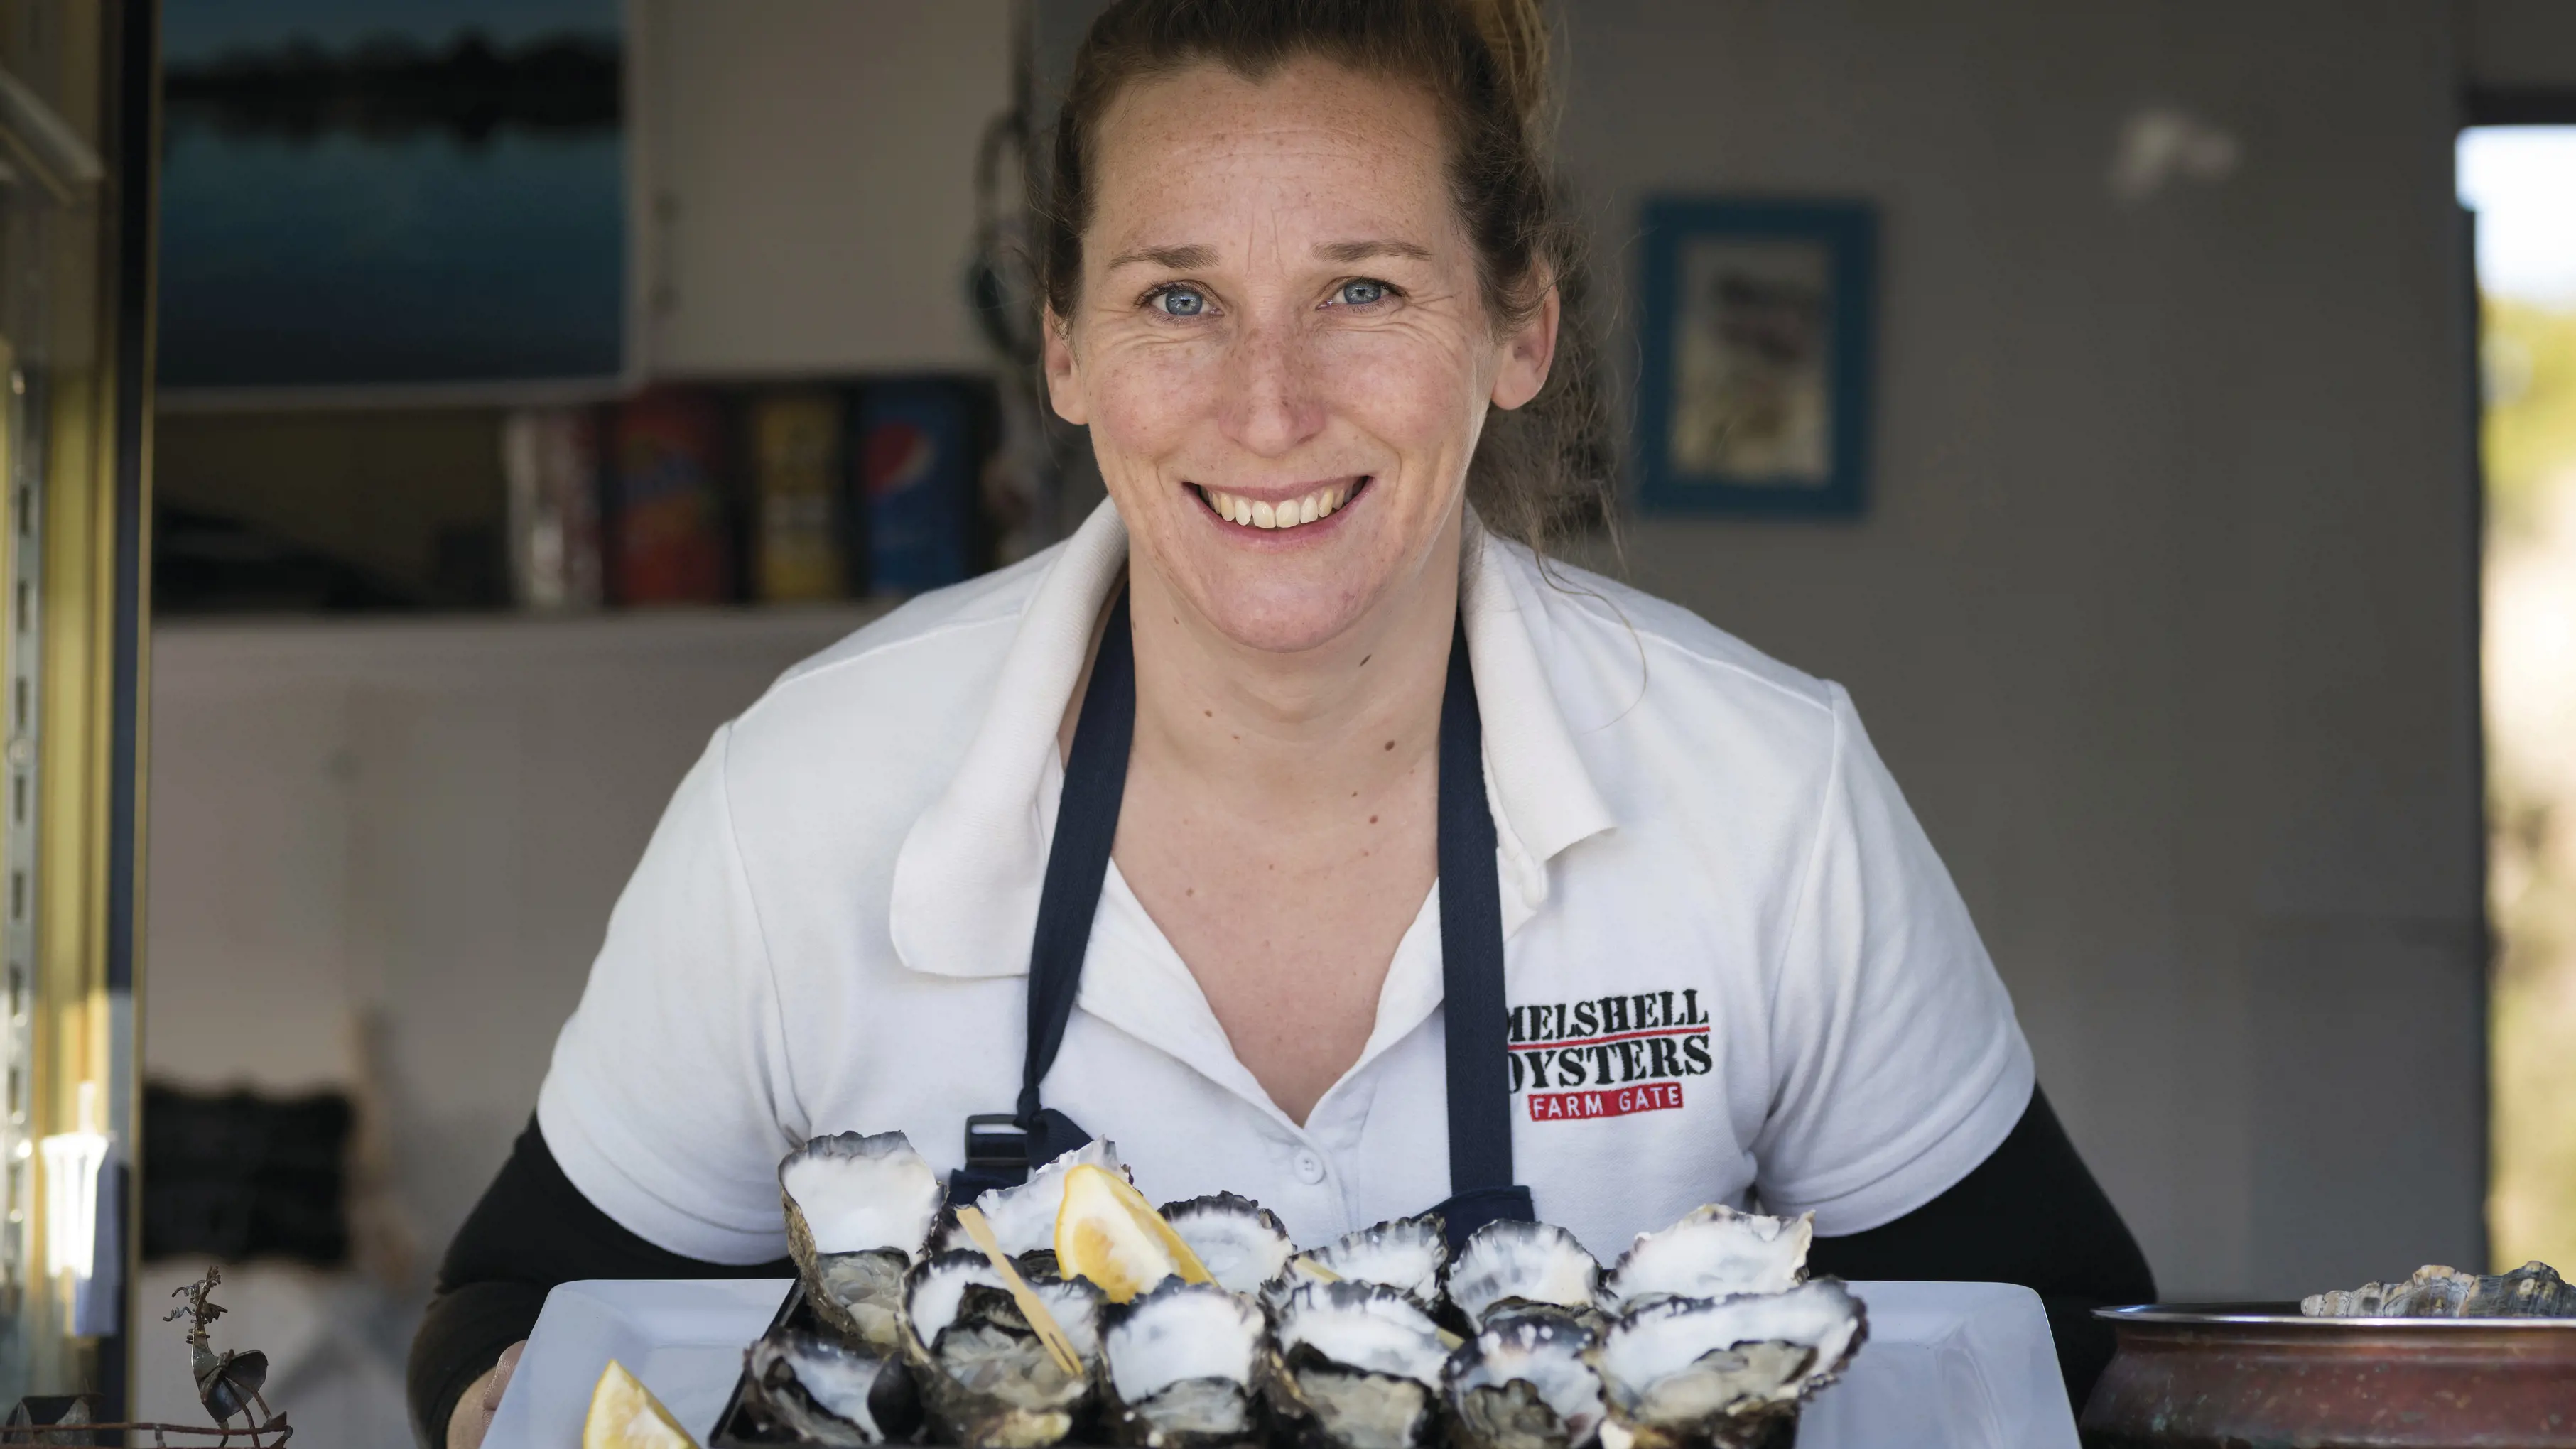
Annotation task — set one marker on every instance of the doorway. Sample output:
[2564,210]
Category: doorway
[2520,180]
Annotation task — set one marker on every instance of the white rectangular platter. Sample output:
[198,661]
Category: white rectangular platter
[1947,1365]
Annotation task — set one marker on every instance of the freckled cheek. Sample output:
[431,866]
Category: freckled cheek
[1415,400]
[1147,406]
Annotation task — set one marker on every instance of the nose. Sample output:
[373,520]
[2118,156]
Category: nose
[1271,400]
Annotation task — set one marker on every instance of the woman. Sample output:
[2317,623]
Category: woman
[1169,806]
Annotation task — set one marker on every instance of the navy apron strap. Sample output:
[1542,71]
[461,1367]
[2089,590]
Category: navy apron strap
[1000,1150]
[1472,1013]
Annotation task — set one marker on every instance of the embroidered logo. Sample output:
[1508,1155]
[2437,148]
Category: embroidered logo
[1626,1053]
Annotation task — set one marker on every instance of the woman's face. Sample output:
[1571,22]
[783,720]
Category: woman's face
[1280,345]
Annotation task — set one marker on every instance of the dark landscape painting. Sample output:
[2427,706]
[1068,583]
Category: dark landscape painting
[386,193]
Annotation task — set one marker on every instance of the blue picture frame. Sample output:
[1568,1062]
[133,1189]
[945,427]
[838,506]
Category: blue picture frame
[1757,321]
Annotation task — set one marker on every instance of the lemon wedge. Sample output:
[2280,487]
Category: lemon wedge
[1108,1233]
[625,1415]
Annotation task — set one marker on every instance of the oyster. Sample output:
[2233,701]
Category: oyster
[2533,1290]
[1241,1242]
[1694,1372]
[825,1392]
[1713,1252]
[1184,1364]
[1359,1367]
[1527,1383]
[858,1208]
[1023,1217]
[1509,1267]
[986,1379]
[1406,1254]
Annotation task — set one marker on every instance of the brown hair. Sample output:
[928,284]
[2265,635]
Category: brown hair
[1539,469]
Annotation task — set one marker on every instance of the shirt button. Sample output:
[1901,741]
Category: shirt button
[1310,1168]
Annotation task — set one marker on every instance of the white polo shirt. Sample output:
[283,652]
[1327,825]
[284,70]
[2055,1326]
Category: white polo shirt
[1735,968]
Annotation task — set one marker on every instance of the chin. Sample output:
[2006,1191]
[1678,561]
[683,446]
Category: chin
[1277,613]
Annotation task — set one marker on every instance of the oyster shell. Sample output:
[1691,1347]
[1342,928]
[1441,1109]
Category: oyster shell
[1242,1243]
[858,1208]
[1405,1254]
[1359,1367]
[1183,1366]
[984,1376]
[824,1391]
[1696,1372]
[1527,1383]
[1713,1252]
[1507,1267]
[1023,1216]
[2533,1290]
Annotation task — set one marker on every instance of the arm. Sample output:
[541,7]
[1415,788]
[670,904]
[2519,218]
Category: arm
[532,1230]
[2029,1214]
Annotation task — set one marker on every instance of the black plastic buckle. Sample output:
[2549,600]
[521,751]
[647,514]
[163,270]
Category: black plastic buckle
[997,1156]
[996,1144]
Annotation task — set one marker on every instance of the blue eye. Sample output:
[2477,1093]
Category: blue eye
[1362,293]
[1180,301]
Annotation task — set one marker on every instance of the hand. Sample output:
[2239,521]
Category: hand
[472,1418]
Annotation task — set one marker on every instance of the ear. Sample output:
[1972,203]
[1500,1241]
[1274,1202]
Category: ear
[1063,373]
[1527,354]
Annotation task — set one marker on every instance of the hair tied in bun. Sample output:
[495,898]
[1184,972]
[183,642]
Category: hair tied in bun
[1516,32]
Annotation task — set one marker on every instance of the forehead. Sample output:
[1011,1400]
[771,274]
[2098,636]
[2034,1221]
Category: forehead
[1197,156]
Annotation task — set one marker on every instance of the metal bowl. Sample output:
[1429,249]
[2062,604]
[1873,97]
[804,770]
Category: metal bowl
[2232,1374]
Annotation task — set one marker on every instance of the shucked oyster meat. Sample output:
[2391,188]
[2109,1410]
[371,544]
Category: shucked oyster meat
[1682,1373]
[824,1391]
[1359,1367]
[1183,1366]
[1023,1216]
[1508,1267]
[2533,1290]
[1713,1252]
[858,1209]
[985,1377]
[1527,1383]
[1240,1242]
[1406,1254]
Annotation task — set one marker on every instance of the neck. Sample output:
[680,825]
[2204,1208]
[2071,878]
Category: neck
[1279,732]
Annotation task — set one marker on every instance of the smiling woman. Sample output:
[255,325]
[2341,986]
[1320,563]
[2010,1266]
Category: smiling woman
[1291,825]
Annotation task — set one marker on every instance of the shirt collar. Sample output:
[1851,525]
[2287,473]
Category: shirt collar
[966,881]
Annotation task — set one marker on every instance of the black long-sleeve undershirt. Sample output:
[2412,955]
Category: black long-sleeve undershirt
[2031,1214]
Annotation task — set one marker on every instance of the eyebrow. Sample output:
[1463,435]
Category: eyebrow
[1194,257]
[1175,259]
[1361,251]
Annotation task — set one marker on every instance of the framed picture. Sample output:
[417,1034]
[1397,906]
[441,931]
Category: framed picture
[393,201]
[1756,323]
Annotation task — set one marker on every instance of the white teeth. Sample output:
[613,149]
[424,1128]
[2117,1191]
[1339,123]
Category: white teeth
[1295,512]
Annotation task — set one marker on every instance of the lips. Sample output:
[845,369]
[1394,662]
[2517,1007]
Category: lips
[1294,512]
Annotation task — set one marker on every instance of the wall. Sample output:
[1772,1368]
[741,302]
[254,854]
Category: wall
[2162,610]
[810,170]
[2519,44]
[420,825]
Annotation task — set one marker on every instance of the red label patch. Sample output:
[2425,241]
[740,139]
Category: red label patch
[1609,1102]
